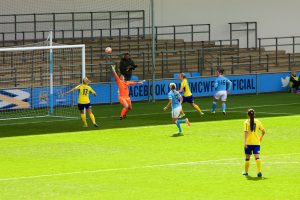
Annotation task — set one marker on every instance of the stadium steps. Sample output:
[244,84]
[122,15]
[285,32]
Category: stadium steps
[134,45]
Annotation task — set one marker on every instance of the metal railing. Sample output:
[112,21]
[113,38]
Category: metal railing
[258,62]
[11,26]
[201,55]
[190,32]
[184,30]
[184,61]
[249,27]
[276,42]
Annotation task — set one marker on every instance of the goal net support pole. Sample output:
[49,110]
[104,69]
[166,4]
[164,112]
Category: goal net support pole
[51,103]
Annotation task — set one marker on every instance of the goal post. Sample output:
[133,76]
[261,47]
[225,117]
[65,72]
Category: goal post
[33,80]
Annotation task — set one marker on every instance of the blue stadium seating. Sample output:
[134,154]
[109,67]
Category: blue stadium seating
[187,74]
[195,74]
[175,75]
[134,78]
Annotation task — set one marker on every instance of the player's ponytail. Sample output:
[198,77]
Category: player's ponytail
[251,115]
[183,75]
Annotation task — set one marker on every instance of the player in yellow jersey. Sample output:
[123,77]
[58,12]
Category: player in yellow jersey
[84,101]
[187,94]
[252,141]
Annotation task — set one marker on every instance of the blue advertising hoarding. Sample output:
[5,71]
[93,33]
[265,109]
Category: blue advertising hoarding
[277,82]
[108,92]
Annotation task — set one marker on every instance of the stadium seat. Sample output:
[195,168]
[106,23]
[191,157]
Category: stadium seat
[195,74]
[175,75]
[134,78]
[187,74]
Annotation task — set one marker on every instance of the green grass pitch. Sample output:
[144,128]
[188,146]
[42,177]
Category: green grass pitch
[137,158]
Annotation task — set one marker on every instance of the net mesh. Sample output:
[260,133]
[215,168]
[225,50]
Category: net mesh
[25,82]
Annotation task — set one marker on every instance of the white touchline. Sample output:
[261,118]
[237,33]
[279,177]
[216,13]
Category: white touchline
[133,168]
[160,113]
[268,113]
[267,105]
[35,122]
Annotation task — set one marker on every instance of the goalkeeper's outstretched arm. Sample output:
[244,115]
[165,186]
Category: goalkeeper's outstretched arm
[134,83]
[141,82]
[113,67]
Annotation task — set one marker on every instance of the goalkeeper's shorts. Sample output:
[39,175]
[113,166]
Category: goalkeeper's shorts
[125,100]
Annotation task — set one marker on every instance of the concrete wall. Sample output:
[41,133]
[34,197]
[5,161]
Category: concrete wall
[275,18]
[42,6]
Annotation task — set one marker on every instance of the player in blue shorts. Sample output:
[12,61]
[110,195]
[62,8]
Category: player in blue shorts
[84,101]
[187,94]
[222,86]
[175,100]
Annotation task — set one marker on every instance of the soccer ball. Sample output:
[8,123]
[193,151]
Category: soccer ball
[108,50]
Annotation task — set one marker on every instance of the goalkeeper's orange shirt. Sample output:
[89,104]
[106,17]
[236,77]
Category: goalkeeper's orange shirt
[123,86]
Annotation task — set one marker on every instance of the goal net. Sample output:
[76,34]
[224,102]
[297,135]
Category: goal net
[34,79]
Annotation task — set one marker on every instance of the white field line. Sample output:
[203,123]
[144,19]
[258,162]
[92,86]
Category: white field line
[264,162]
[267,113]
[35,122]
[32,117]
[134,168]
[267,105]
[160,113]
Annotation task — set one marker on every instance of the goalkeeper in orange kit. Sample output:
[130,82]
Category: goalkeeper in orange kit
[124,98]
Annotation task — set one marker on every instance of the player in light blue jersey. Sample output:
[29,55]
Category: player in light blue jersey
[175,100]
[222,86]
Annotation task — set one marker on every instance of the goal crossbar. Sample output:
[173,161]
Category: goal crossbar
[42,48]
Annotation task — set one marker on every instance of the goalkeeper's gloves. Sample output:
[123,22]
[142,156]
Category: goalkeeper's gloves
[113,67]
[141,82]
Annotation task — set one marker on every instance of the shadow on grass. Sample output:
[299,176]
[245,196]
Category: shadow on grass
[151,114]
[177,135]
[255,178]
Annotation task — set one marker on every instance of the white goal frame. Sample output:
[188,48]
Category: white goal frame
[50,48]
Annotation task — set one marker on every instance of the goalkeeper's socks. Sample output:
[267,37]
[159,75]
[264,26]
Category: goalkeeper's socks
[224,107]
[127,110]
[93,118]
[83,119]
[123,112]
[214,106]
